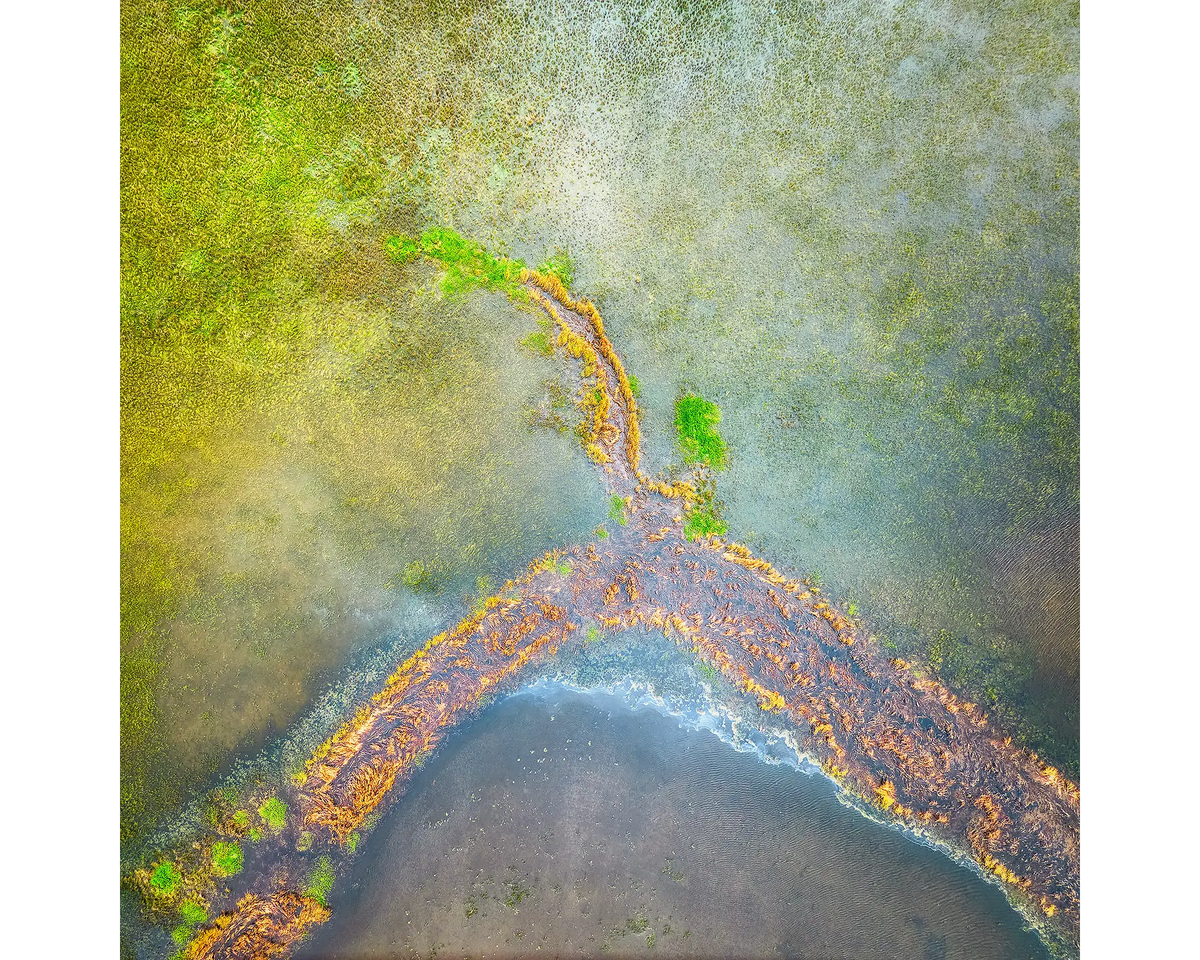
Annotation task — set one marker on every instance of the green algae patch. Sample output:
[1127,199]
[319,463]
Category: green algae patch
[165,879]
[227,858]
[274,813]
[320,881]
[696,420]
[192,912]
[616,510]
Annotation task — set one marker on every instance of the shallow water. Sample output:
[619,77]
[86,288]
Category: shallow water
[854,225]
[568,824]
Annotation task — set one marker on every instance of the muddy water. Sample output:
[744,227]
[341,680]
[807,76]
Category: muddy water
[568,825]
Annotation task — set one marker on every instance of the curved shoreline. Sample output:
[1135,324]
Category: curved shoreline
[906,746]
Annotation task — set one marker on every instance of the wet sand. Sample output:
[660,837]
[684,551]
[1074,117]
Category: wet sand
[575,827]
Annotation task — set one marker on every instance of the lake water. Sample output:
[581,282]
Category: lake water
[568,824]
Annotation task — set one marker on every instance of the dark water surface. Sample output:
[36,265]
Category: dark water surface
[571,826]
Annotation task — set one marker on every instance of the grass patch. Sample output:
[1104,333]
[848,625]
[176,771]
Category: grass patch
[559,264]
[467,264]
[703,521]
[274,812]
[227,858]
[696,420]
[537,343]
[635,387]
[165,879]
[616,510]
[320,881]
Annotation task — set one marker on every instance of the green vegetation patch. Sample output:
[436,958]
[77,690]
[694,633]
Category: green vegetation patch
[165,879]
[539,343]
[704,520]
[616,510]
[227,858]
[467,264]
[274,812]
[320,881]
[696,420]
[559,264]
[192,912]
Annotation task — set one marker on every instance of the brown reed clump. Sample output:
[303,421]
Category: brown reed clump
[260,927]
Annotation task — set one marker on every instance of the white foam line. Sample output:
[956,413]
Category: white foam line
[770,745]
[717,719]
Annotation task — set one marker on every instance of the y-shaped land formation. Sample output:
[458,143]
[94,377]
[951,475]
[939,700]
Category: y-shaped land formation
[903,744]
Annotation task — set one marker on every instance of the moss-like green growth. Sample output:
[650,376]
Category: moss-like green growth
[616,510]
[703,516]
[559,264]
[192,912]
[602,533]
[564,568]
[635,387]
[696,420]
[422,576]
[182,934]
[241,819]
[256,834]
[165,879]
[227,858]
[466,263]
[274,812]
[539,343]
[707,671]
[320,881]
[593,634]
[703,521]
[352,842]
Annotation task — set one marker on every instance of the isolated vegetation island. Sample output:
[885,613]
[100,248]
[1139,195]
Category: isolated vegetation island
[904,748]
